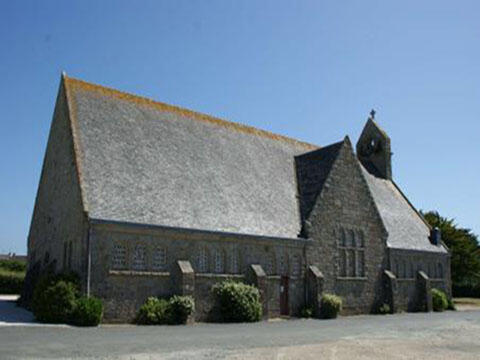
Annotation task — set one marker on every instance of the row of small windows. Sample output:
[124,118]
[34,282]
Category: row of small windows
[351,253]
[139,257]
[142,257]
[405,269]
[220,261]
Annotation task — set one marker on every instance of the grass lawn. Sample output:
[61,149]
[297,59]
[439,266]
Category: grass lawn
[12,274]
[467,301]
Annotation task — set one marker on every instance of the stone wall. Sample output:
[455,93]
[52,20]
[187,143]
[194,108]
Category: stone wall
[58,229]
[406,298]
[124,292]
[349,238]
[124,279]
[405,264]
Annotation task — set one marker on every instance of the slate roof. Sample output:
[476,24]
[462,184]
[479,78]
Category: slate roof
[146,162]
[312,171]
[406,229]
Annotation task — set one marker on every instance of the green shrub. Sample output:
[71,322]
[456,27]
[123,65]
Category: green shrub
[11,282]
[13,265]
[384,309]
[48,279]
[56,303]
[237,302]
[153,312]
[179,309]
[157,311]
[451,304]
[88,311]
[330,306]
[439,300]
[306,312]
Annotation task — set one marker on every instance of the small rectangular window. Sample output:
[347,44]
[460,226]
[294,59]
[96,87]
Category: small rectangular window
[119,256]
[159,258]
[139,260]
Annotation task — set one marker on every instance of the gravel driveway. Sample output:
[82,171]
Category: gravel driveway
[448,335]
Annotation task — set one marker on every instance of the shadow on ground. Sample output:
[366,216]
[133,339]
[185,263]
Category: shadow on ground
[12,314]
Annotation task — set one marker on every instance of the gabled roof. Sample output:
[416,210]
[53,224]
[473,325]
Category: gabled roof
[142,161]
[312,171]
[406,229]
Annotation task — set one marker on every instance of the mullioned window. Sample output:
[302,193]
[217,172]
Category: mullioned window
[351,253]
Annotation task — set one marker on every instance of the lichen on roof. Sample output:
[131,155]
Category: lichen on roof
[76,84]
[147,162]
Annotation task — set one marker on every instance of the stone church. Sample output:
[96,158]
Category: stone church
[141,199]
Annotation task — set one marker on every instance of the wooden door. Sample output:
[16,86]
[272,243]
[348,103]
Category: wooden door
[284,295]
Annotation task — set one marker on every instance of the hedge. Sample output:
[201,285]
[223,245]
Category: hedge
[56,299]
[439,300]
[152,312]
[330,306]
[55,303]
[158,311]
[179,309]
[13,265]
[11,282]
[88,311]
[237,302]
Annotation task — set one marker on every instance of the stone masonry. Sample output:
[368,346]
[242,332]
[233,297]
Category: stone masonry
[141,198]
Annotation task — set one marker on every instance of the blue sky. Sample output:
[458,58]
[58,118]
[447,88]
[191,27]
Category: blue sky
[311,70]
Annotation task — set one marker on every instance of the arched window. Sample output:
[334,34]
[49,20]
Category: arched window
[218,261]
[296,266]
[360,264]
[361,239]
[342,264]
[283,264]
[202,260]
[351,263]
[351,253]
[431,271]
[440,271]
[351,239]
[234,266]
[343,238]
[270,264]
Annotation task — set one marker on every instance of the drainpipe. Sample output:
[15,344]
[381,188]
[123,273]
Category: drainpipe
[305,283]
[89,259]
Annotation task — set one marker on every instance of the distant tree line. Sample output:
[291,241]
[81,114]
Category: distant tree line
[465,252]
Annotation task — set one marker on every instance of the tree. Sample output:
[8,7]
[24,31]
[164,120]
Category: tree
[465,250]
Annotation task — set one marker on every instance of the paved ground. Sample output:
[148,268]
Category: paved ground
[449,335]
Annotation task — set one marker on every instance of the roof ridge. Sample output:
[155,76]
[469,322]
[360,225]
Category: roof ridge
[77,83]
[410,203]
[322,149]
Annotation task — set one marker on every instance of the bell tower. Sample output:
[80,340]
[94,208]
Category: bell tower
[373,149]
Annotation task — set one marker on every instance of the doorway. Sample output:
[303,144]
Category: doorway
[284,295]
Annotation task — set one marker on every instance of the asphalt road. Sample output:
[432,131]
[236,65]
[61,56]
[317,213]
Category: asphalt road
[448,335]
